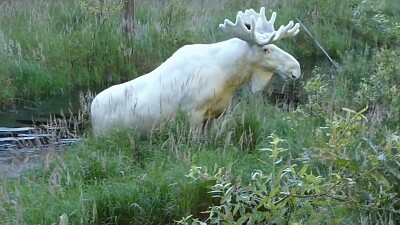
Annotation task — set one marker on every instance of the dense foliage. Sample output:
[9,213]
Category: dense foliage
[332,157]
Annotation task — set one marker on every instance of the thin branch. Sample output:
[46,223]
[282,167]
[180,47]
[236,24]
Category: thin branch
[318,44]
[383,209]
[326,193]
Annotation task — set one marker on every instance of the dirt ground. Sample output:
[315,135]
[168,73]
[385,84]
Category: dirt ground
[8,1]
[13,163]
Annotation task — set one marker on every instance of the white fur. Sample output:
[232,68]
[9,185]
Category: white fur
[198,80]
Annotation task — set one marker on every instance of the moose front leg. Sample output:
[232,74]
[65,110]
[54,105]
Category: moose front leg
[196,120]
[210,116]
[206,127]
[201,123]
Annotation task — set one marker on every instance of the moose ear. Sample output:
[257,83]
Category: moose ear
[259,80]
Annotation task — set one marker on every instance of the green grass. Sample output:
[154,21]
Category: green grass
[123,178]
[62,48]
[126,178]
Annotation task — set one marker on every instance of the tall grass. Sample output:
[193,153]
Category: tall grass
[125,179]
[51,47]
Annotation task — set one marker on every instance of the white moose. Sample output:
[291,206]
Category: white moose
[199,80]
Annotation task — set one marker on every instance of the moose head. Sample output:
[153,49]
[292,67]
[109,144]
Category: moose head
[260,34]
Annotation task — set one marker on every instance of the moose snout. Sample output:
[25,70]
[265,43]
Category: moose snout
[295,75]
[295,72]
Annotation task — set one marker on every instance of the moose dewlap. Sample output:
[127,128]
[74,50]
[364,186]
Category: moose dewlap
[199,80]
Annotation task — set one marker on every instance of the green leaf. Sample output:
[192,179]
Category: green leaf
[235,210]
[265,200]
[303,170]
[337,176]
[311,178]
[266,149]
[241,220]
[341,162]
[355,167]
[379,177]
[375,160]
[308,208]
[284,202]
[349,110]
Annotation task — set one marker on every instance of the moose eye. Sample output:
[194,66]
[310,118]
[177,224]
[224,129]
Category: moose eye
[265,50]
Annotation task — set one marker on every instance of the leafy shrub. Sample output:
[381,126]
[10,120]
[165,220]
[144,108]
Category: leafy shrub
[372,22]
[372,80]
[380,88]
[338,180]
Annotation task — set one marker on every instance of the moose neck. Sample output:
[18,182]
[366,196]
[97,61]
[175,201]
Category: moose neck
[236,57]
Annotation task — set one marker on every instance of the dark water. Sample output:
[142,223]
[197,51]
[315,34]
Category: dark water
[17,159]
[26,112]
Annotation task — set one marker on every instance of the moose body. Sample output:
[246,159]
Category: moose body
[198,80]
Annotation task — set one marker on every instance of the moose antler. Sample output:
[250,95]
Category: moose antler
[261,31]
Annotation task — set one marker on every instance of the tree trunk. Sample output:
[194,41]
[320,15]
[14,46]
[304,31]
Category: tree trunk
[128,25]
[100,13]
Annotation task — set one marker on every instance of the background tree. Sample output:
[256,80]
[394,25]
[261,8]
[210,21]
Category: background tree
[128,13]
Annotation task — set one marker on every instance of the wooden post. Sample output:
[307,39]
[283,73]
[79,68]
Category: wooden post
[128,25]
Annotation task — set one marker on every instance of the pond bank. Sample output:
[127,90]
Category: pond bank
[16,162]
[31,133]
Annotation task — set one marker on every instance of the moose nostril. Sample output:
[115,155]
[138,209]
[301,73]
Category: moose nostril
[293,76]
